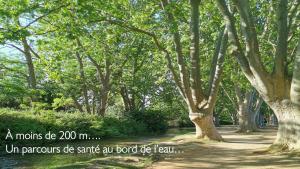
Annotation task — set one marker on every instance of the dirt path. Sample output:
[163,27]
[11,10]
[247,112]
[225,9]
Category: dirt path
[238,152]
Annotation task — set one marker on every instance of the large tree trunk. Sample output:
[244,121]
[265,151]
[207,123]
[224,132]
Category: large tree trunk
[205,127]
[243,111]
[288,134]
[244,125]
[247,121]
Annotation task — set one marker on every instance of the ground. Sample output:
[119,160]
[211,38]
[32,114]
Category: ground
[239,151]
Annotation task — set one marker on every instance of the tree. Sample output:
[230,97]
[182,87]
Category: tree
[279,87]
[188,77]
[17,30]
[13,81]
[248,104]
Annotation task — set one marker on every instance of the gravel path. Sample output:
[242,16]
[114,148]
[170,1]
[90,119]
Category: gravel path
[239,151]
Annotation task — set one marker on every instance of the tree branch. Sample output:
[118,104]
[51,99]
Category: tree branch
[250,63]
[157,43]
[232,34]
[293,13]
[16,47]
[194,52]
[282,32]
[249,32]
[34,53]
[2,66]
[218,69]
[98,67]
[42,16]
[215,60]
[184,74]
[231,100]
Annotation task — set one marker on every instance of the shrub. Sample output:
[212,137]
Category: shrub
[47,120]
[39,106]
[62,103]
[154,120]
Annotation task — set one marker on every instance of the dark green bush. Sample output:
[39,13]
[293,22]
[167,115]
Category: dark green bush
[154,120]
[224,122]
[184,121]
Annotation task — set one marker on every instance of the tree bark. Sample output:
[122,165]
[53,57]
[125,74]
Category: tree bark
[125,98]
[30,66]
[84,86]
[205,127]
[248,108]
[288,135]
[104,97]
[31,71]
[105,82]
[94,102]
[234,118]
[128,101]
[243,113]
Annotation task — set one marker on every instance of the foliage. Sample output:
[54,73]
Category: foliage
[154,120]
[62,103]
[45,121]
[111,39]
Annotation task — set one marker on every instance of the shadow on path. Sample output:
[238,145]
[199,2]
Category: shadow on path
[237,152]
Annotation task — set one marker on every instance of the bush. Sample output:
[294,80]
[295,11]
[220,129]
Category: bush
[45,121]
[154,120]
[62,103]
[225,122]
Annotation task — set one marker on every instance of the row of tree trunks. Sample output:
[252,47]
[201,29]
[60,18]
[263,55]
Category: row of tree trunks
[100,95]
[279,89]
[130,97]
